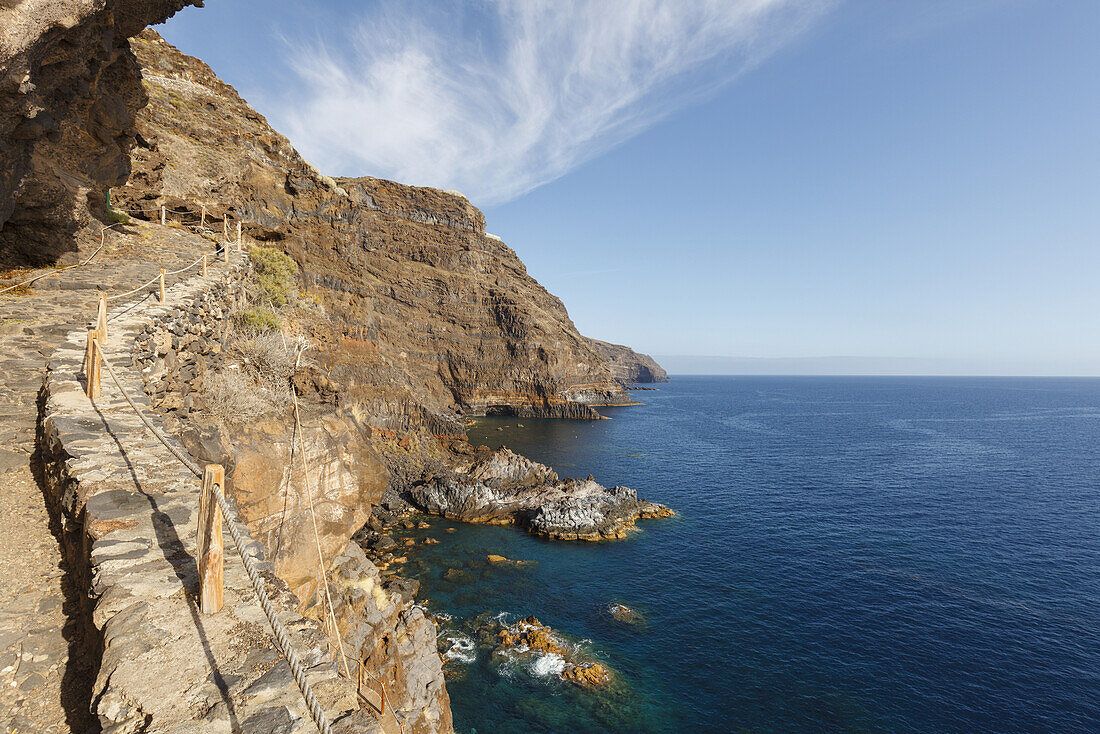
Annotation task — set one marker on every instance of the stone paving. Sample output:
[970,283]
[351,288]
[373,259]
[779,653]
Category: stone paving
[44,668]
[165,666]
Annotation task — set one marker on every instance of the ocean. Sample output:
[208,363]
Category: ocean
[849,554]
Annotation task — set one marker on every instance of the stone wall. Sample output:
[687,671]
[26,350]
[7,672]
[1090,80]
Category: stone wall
[129,513]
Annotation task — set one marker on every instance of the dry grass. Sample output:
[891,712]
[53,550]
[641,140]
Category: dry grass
[269,356]
[257,383]
[235,397]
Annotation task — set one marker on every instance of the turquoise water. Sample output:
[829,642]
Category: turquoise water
[850,554]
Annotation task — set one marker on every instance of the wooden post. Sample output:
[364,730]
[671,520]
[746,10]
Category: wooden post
[162,215]
[202,220]
[225,250]
[204,264]
[238,236]
[92,366]
[225,228]
[101,317]
[211,559]
[161,295]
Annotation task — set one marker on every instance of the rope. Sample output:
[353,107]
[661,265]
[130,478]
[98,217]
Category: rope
[385,694]
[62,270]
[157,277]
[133,291]
[282,641]
[317,533]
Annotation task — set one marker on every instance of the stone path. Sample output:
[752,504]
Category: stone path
[44,669]
[134,506]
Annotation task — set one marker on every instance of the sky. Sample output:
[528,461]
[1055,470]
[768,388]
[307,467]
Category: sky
[865,186]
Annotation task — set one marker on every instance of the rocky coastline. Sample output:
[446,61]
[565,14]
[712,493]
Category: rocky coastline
[501,487]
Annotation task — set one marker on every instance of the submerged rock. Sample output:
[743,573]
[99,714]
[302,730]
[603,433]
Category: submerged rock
[624,614]
[553,653]
[508,488]
[496,560]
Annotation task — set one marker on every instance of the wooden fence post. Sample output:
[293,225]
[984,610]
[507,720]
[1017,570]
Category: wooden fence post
[92,358]
[238,236]
[202,220]
[162,215]
[204,264]
[225,250]
[101,317]
[161,295]
[225,228]
[211,558]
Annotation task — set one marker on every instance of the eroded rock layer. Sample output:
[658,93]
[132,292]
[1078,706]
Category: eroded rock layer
[427,317]
[629,366]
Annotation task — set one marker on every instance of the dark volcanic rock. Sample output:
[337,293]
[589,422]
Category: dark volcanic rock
[508,488]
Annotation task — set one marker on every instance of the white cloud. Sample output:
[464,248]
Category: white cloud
[498,104]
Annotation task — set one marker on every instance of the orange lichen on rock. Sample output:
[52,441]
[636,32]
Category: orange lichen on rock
[590,674]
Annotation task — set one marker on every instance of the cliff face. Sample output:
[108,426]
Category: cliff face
[428,317]
[627,365]
[69,89]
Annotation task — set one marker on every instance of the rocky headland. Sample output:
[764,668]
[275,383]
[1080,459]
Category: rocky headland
[628,366]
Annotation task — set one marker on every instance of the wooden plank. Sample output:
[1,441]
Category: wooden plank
[204,265]
[101,316]
[92,365]
[211,553]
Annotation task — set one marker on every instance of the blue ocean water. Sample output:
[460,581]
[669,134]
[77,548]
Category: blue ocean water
[849,554]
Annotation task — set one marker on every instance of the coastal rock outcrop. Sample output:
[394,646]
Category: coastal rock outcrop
[530,636]
[392,638]
[507,488]
[69,91]
[627,365]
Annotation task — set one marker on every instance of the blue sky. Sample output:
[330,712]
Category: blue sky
[912,186]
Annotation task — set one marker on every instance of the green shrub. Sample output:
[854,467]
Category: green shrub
[117,216]
[260,319]
[276,276]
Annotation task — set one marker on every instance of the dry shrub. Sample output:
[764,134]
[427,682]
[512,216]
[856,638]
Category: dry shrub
[234,397]
[269,356]
[259,385]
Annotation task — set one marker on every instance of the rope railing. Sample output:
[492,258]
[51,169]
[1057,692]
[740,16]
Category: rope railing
[282,640]
[102,240]
[226,236]
[213,479]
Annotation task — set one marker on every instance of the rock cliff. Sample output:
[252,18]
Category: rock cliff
[69,89]
[629,366]
[427,317]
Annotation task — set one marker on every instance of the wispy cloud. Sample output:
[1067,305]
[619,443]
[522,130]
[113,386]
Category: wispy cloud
[499,100]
